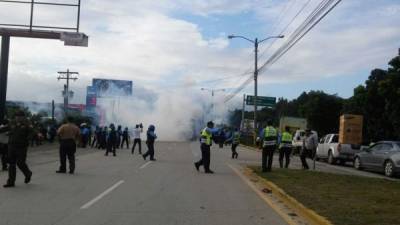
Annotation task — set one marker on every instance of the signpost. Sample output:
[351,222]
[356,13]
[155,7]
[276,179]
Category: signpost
[261,101]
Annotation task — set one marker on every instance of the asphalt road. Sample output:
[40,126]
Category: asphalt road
[127,190]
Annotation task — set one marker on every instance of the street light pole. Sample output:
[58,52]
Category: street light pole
[256,42]
[212,96]
[255,88]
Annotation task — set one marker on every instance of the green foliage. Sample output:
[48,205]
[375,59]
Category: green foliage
[378,101]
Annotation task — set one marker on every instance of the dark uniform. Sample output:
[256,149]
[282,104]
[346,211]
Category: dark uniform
[206,142]
[18,143]
[125,138]
[285,149]
[112,140]
[269,146]
[151,138]
[235,143]
[4,145]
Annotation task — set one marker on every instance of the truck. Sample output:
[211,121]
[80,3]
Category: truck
[297,127]
[330,149]
[294,124]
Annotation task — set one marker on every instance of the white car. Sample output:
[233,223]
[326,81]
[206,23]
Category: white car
[298,138]
[329,148]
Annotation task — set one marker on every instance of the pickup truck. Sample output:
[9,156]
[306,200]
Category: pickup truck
[329,148]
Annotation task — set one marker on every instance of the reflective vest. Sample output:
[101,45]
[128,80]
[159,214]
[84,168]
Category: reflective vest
[270,136]
[236,138]
[206,136]
[286,140]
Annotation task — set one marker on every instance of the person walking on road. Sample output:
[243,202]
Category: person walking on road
[285,148]
[68,133]
[151,137]
[206,142]
[235,143]
[112,140]
[4,144]
[310,143]
[136,138]
[125,138]
[18,142]
[269,145]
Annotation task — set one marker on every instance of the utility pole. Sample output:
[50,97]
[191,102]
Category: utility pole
[5,53]
[67,75]
[212,96]
[244,105]
[255,42]
[255,88]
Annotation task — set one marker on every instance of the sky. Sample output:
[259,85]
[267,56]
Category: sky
[174,45]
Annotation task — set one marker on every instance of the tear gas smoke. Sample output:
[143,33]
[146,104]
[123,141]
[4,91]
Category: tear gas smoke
[178,115]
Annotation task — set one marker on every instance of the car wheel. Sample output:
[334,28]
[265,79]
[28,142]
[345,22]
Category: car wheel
[389,168]
[357,163]
[331,159]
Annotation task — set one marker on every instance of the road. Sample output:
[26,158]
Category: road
[127,190]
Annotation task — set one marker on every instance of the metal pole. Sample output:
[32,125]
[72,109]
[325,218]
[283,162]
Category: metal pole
[52,110]
[79,16]
[242,122]
[67,93]
[31,20]
[255,88]
[5,53]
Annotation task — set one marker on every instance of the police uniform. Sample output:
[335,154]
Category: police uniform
[269,146]
[285,149]
[206,142]
[17,150]
[235,143]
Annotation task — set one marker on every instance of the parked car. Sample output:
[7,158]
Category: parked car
[329,148]
[298,138]
[384,156]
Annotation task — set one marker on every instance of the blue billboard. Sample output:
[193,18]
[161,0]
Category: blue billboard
[112,88]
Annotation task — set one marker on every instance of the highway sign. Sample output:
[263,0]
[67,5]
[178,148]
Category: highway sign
[261,101]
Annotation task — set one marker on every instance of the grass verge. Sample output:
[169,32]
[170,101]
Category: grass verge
[342,199]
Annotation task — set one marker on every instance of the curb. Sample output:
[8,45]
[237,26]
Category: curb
[298,207]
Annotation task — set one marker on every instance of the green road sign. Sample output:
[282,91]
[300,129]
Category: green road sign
[261,101]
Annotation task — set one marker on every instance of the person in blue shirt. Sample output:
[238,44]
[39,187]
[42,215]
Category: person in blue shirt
[151,137]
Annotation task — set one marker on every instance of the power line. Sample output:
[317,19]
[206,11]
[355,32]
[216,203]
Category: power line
[286,27]
[324,8]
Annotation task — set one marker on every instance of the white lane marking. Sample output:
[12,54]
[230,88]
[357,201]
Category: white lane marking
[144,165]
[106,192]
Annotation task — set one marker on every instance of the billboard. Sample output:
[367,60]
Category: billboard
[112,88]
[91,97]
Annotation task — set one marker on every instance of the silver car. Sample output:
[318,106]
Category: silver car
[383,156]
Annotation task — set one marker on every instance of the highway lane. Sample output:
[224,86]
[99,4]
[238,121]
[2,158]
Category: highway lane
[127,190]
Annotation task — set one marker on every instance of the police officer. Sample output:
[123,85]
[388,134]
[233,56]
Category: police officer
[112,140]
[68,134]
[206,142]
[285,147]
[125,138]
[18,143]
[151,137]
[235,143]
[269,145]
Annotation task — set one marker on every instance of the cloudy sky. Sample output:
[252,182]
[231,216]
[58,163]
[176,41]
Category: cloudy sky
[169,45]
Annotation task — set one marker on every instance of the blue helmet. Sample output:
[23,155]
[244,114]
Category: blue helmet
[152,127]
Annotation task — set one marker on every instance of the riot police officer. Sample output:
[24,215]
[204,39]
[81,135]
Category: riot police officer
[20,131]
[269,146]
[206,142]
